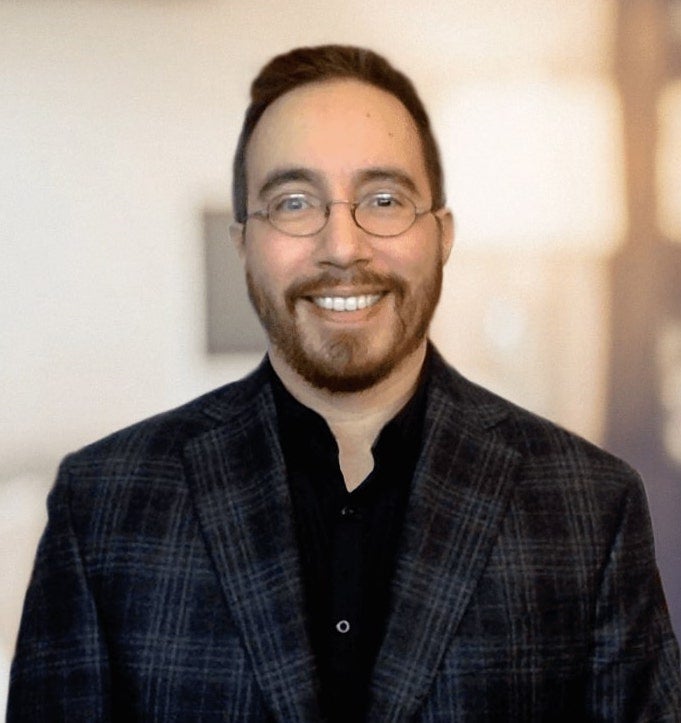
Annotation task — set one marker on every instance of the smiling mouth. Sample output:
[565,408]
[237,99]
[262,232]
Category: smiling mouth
[346,303]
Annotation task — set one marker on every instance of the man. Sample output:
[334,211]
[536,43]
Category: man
[353,532]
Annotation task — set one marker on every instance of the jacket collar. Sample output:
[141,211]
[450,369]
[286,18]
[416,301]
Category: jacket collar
[237,477]
[460,491]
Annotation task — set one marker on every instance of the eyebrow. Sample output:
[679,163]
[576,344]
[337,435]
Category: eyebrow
[394,175]
[280,176]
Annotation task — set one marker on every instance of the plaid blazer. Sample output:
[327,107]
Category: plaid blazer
[167,586]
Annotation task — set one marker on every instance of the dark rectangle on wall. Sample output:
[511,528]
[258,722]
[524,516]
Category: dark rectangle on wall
[231,323]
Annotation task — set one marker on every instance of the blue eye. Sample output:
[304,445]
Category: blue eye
[292,203]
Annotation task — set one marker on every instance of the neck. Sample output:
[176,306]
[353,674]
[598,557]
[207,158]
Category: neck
[355,418]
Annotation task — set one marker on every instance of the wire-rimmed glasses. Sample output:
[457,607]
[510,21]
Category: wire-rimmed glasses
[382,214]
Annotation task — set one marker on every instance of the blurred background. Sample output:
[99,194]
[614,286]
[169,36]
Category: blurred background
[560,129]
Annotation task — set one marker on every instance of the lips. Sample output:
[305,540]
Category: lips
[346,303]
[347,291]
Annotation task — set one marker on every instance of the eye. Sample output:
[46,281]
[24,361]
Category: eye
[293,203]
[384,201]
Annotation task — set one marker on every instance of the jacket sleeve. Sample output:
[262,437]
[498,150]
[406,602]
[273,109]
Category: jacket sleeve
[635,665]
[60,668]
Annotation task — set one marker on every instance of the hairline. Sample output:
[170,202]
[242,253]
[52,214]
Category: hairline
[396,84]
[299,172]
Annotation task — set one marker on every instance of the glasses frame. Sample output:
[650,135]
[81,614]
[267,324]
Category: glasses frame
[265,215]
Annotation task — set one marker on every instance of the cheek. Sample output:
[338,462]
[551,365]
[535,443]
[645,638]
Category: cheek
[267,265]
[414,263]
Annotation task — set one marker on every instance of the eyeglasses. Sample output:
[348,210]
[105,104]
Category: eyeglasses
[302,214]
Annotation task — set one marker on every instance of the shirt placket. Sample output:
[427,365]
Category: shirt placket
[347,564]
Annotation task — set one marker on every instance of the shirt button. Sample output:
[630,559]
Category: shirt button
[347,511]
[343,626]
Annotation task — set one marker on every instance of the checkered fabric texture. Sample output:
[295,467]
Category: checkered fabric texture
[167,585]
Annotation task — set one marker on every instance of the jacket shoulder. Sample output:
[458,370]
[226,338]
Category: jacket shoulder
[164,435]
[539,441]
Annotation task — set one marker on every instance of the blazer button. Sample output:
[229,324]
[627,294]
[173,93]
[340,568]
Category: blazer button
[343,626]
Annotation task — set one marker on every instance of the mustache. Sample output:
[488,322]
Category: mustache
[326,280]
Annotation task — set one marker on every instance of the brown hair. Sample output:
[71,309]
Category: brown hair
[308,65]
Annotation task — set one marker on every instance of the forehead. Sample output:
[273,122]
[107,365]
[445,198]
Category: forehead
[336,129]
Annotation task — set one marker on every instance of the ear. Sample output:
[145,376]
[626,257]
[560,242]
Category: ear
[236,235]
[446,220]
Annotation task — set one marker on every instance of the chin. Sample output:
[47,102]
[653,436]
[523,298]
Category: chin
[345,365]
[344,382]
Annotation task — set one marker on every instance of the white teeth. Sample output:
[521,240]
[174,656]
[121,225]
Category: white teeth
[346,303]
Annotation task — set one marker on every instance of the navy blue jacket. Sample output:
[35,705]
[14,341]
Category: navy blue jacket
[167,586]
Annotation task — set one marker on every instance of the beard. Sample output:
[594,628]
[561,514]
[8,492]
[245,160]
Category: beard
[348,361]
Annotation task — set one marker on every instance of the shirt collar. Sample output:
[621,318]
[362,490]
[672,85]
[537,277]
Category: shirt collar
[400,438]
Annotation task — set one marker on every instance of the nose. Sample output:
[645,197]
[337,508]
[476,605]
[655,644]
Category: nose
[342,242]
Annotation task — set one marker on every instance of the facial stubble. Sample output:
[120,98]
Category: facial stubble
[344,362]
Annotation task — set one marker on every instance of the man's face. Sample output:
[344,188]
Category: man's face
[341,140]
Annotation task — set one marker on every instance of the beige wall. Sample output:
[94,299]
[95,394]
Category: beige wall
[118,123]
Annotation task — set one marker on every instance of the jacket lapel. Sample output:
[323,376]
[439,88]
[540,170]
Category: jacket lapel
[460,493]
[239,485]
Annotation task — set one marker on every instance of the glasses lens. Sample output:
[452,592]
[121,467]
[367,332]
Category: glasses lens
[385,214]
[380,214]
[297,214]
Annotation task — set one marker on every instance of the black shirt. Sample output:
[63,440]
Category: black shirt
[347,540]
